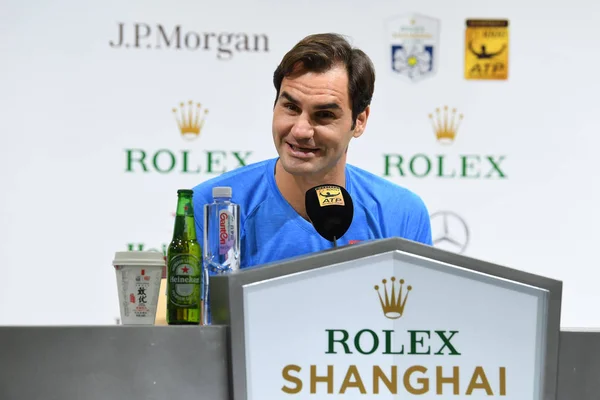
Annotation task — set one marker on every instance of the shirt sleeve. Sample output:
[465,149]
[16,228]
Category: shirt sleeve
[419,223]
[423,233]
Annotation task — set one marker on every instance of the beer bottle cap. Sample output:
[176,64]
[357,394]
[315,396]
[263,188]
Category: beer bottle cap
[185,191]
[221,191]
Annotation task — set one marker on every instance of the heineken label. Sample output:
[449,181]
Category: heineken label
[184,280]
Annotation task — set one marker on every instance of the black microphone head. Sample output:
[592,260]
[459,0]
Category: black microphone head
[330,210]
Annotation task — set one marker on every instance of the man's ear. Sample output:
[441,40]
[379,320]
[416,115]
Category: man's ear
[361,122]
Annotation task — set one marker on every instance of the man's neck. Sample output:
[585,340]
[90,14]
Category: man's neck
[293,188]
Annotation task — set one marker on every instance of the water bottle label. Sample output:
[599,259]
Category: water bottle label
[226,231]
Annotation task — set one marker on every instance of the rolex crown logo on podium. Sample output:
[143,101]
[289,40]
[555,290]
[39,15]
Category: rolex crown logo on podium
[445,124]
[190,119]
[393,300]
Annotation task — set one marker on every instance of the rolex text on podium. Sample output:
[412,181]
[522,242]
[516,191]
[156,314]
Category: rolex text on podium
[415,379]
[412,351]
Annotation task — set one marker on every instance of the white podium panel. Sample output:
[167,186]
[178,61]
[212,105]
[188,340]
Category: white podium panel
[389,325]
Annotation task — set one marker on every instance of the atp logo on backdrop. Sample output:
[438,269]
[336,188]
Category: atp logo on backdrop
[413,46]
[445,124]
[189,121]
[486,49]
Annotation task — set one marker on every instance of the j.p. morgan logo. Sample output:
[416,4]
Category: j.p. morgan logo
[161,37]
[420,360]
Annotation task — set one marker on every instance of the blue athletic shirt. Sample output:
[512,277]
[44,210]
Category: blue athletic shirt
[271,230]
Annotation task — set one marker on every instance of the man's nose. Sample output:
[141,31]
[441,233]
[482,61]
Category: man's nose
[302,129]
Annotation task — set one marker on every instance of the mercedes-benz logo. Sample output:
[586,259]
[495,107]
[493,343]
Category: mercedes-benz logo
[449,231]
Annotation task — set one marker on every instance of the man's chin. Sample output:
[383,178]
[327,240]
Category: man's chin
[299,167]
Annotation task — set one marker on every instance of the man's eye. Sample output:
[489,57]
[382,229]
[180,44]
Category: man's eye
[325,114]
[291,107]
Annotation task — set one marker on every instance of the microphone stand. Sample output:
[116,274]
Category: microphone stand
[334,242]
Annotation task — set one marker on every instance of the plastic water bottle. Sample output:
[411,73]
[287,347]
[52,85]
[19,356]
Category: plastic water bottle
[221,238]
[222,232]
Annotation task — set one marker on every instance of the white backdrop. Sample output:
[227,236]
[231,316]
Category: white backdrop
[73,107]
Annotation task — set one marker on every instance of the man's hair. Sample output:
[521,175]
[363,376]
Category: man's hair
[319,53]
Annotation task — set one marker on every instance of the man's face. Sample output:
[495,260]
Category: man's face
[312,121]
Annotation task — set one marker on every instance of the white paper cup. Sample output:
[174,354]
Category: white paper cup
[139,275]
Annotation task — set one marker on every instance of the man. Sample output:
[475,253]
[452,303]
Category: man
[323,95]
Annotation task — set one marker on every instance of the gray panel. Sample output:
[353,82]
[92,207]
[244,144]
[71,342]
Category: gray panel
[113,362]
[579,366]
[229,307]
[89,363]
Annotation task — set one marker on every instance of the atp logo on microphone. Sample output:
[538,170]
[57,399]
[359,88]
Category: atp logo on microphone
[330,196]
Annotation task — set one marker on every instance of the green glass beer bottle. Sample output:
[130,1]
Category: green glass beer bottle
[184,267]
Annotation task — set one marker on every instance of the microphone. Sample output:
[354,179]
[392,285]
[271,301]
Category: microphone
[330,210]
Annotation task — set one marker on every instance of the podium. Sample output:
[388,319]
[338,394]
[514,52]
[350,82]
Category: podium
[384,319]
[393,319]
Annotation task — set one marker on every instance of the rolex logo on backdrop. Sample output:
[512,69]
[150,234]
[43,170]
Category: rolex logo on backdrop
[445,163]
[445,126]
[140,245]
[190,121]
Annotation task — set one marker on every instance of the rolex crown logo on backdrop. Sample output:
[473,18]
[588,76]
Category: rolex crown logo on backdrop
[445,124]
[190,120]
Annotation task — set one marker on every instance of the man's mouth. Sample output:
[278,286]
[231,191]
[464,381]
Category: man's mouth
[302,149]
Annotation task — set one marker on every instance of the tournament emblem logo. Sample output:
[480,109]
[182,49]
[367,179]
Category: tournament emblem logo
[413,46]
[486,49]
